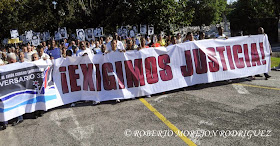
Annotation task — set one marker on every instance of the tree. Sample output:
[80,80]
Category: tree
[207,11]
[248,15]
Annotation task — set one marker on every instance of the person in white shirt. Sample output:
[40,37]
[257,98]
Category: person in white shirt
[189,37]
[221,34]
[41,54]
[28,54]
[120,45]
[179,38]
[84,49]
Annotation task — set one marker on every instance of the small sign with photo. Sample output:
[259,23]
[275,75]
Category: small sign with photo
[99,32]
[47,35]
[5,41]
[150,30]
[143,29]
[80,34]
[132,33]
[42,38]
[35,40]
[119,31]
[63,32]
[14,33]
[28,35]
[135,28]
[90,34]
[124,31]
[57,36]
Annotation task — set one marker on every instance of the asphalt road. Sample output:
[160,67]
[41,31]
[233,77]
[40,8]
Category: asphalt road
[241,113]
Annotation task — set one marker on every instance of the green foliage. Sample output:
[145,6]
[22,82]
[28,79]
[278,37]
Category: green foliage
[166,15]
[39,15]
[246,14]
[208,11]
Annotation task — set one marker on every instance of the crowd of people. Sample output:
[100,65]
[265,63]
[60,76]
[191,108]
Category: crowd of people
[75,48]
[56,49]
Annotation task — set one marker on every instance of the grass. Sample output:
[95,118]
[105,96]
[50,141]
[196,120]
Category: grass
[275,61]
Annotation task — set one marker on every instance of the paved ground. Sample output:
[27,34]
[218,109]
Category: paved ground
[242,113]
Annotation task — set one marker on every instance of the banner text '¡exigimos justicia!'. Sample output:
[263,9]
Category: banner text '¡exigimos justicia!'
[134,74]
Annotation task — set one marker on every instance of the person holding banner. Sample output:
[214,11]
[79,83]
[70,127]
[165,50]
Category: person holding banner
[11,57]
[129,45]
[261,31]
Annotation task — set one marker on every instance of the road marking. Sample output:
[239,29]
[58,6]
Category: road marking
[240,89]
[79,132]
[168,123]
[159,99]
[264,87]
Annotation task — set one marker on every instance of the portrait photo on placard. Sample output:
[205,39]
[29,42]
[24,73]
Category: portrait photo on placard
[89,34]
[29,35]
[124,31]
[150,30]
[119,31]
[135,28]
[63,32]
[42,37]
[73,36]
[47,35]
[22,38]
[143,29]
[57,36]
[99,32]
[14,33]
[35,40]
[132,33]
[80,34]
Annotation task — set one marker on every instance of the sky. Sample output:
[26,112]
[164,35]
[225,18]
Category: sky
[230,1]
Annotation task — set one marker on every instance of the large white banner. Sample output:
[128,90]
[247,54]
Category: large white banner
[26,87]
[120,75]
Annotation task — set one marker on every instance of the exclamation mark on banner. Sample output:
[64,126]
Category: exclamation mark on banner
[262,52]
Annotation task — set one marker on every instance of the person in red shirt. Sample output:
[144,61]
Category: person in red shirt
[154,42]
